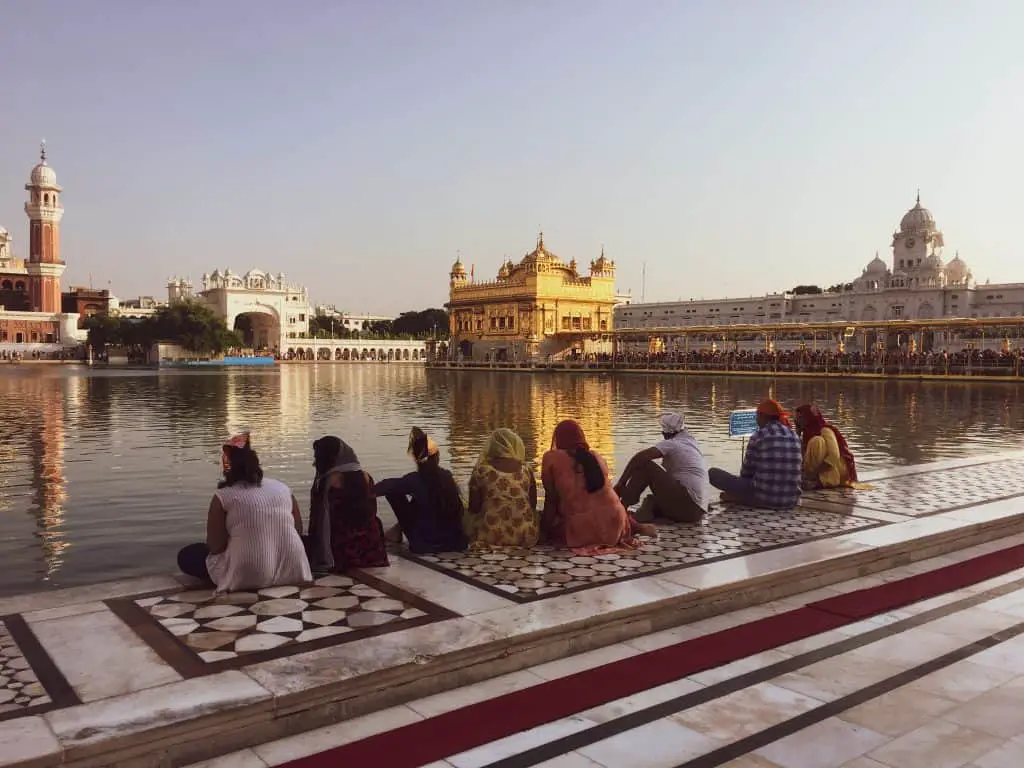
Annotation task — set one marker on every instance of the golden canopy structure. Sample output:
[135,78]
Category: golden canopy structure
[540,307]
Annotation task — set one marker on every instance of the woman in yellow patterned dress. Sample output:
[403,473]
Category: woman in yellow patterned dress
[503,495]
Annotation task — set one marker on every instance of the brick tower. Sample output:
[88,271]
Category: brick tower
[44,211]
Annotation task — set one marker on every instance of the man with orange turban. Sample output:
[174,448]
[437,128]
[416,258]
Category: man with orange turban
[772,465]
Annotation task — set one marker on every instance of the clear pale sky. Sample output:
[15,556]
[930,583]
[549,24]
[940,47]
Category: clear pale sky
[734,146]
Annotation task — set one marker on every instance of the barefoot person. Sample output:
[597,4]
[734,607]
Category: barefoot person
[581,509]
[828,460]
[426,502]
[678,486]
[253,529]
[772,465]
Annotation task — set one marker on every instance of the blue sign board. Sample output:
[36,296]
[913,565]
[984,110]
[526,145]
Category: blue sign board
[743,423]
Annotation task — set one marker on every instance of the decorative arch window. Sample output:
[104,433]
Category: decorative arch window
[19,286]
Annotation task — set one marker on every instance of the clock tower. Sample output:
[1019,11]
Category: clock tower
[916,239]
[44,212]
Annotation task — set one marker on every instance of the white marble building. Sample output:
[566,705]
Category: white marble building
[276,311]
[917,284]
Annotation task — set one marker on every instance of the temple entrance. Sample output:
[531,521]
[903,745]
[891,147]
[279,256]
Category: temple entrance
[466,350]
[258,329]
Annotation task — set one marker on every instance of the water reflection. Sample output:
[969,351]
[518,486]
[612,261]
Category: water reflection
[104,474]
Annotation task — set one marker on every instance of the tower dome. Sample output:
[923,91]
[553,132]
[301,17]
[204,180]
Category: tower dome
[917,219]
[957,270]
[42,174]
[875,266]
[458,272]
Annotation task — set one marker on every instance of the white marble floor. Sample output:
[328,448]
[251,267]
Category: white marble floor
[935,684]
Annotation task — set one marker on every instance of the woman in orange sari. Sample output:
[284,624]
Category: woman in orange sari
[581,508]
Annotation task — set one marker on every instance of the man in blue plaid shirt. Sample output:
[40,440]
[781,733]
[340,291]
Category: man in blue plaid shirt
[772,466]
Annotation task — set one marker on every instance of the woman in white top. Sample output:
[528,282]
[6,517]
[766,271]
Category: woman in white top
[253,530]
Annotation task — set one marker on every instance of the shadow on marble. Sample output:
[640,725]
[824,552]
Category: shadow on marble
[727,532]
[198,633]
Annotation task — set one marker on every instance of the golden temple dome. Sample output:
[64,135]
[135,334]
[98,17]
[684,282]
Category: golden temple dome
[917,219]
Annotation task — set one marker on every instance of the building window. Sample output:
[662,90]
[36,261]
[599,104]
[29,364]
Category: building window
[897,311]
[566,322]
[501,323]
[494,323]
[587,324]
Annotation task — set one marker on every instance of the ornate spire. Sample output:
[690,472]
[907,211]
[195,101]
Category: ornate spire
[540,241]
[919,196]
[42,151]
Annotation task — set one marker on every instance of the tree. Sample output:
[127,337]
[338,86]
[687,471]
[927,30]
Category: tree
[839,288]
[806,290]
[103,330]
[195,326]
[424,323]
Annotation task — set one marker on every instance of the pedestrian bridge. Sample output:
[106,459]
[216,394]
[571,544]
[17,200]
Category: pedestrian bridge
[354,350]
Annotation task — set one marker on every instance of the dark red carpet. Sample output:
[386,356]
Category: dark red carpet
[463,729]
[874,600]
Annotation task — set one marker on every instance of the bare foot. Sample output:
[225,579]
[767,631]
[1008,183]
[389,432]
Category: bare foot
[647,529]
[728,497]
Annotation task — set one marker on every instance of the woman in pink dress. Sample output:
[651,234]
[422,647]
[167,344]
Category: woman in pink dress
[581,508]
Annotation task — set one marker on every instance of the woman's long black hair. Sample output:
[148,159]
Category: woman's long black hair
[442,490]
[244,467]
[593,475]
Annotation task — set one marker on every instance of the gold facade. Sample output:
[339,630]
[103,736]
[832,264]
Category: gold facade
[541,306]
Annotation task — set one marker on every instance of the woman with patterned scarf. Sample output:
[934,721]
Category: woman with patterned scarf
[503,495]
[427,502]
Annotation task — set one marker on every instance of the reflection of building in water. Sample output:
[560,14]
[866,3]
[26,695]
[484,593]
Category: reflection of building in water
[531,405]
[48,479]
[540,306]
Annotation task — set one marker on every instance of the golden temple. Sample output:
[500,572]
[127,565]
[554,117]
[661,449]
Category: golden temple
[540,307]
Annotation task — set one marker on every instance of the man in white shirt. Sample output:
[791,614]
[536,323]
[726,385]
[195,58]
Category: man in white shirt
[678,485]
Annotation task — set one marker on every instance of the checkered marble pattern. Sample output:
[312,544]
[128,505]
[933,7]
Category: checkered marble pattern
[930,492]
[19,686]
[223,627]
[727,530]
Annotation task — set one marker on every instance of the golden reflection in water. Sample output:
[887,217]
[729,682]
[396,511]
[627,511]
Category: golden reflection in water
[528,405]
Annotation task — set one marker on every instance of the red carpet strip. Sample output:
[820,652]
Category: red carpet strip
[460,730]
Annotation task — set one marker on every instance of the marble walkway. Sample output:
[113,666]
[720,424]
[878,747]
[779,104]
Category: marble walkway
[938,683]
[153,671]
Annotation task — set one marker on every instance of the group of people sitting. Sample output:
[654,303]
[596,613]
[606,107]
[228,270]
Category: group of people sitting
[255,534]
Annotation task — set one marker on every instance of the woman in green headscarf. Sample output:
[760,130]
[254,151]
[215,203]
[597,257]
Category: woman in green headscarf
[503,495]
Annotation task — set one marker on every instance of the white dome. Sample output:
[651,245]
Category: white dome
[877,266]
[917,219]
[932,261]
[957,268]
[43,176]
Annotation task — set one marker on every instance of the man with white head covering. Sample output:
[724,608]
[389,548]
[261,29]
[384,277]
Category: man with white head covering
[678,486]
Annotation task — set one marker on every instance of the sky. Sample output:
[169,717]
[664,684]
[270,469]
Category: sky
[724,148]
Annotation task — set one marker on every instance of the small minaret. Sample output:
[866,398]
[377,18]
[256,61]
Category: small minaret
[44,212]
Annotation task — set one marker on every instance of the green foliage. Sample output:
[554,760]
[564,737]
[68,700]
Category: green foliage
[806,290]
[840,288]
[409,325]
[191,324]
